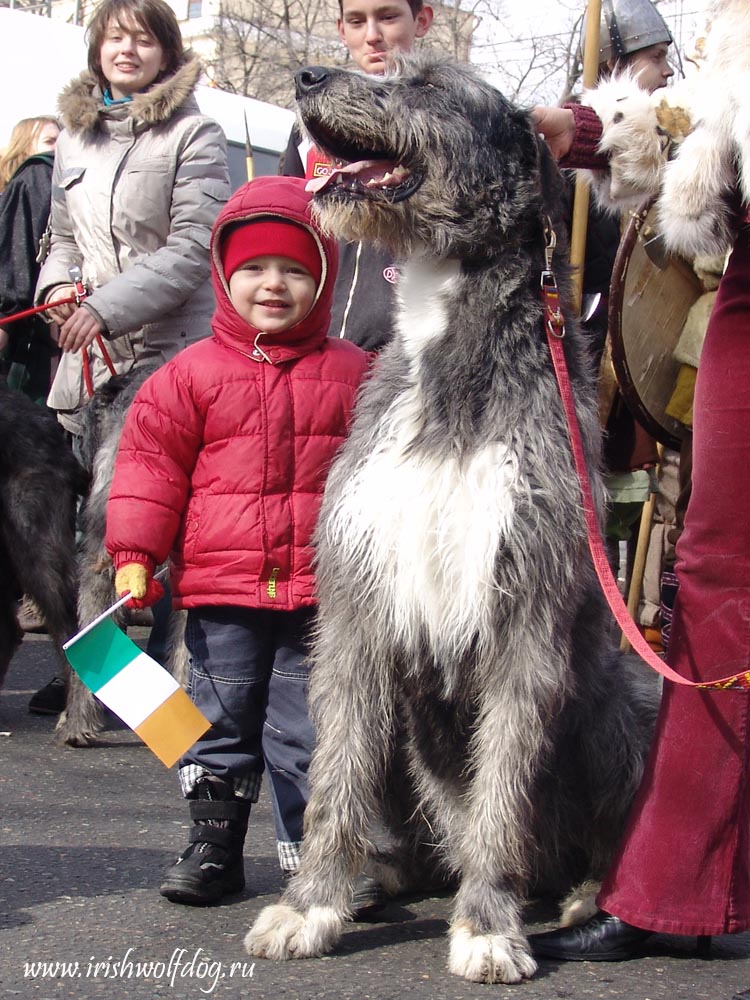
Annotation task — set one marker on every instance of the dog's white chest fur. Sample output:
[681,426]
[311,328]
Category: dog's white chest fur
[423,292]
[426,528]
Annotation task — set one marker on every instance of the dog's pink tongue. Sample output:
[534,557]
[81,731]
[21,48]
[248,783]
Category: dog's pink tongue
[366,171]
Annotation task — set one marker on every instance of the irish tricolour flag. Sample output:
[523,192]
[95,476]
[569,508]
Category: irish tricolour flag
[136,688]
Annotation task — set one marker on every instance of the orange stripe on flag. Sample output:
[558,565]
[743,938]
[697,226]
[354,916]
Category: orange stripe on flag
[173,728]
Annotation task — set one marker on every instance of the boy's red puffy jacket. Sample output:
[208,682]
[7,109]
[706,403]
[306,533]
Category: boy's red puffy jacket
[225,450]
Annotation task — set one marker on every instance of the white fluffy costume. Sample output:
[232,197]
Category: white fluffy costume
[704,120]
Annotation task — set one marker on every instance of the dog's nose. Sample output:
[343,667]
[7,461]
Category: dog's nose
[310,78]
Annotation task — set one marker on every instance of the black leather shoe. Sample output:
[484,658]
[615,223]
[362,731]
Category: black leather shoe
[603,938]
[368,896]
[50,700]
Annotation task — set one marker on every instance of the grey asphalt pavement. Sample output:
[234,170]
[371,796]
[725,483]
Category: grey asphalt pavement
[85,835]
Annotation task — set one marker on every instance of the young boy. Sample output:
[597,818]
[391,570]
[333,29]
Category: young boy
[363,300]
[221,466]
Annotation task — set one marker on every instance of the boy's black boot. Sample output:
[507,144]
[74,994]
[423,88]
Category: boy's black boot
[212,865]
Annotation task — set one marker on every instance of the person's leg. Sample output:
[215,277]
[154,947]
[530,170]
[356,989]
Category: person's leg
[157,643]
[288,735]
[221,774]
[288,742]
[669,581]
[683,864]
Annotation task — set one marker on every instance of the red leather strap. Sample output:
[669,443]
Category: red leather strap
[36,309]
[555,329]
[105,354]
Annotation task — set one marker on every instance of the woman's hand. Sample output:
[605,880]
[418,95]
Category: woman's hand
[557,126]
[60,313]
[78,331]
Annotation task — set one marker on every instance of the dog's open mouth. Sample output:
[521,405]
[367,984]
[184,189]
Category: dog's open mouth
[363,174]
[367,177]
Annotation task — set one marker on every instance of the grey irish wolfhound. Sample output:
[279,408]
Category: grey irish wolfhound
[462,639]
[40,481]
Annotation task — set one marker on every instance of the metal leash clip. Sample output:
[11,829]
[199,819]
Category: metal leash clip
[548,279]
[76,276]
[553,316]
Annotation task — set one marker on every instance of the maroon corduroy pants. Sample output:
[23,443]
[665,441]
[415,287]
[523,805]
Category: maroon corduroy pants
[683,864]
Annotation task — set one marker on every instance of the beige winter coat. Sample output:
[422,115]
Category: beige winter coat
[135,191]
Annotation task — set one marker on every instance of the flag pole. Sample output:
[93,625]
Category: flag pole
[579,224]
[249,160]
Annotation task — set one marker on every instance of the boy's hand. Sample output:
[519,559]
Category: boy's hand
[138,580]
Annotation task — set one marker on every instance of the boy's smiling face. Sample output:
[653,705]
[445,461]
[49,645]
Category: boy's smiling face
[272,293]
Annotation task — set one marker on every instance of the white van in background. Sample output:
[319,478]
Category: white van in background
[40,55]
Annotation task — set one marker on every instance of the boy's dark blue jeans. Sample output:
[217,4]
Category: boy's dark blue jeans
[249,676]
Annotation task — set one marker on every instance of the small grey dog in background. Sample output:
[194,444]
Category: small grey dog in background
[463,644]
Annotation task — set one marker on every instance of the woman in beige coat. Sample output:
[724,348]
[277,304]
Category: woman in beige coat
[140,176]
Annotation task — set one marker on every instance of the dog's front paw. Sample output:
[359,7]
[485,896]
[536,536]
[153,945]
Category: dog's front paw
[282,932]
[489,958]
[72,735]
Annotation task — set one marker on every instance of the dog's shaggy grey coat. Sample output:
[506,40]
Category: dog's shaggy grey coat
[103,418]
[71,583]
[462,639]
[40,481]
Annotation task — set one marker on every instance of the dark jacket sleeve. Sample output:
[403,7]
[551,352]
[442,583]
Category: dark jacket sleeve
[24,211]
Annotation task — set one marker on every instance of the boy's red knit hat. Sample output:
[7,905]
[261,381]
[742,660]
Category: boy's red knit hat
[270,237]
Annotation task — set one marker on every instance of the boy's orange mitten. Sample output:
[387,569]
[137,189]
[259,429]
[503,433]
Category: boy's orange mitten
[138,580]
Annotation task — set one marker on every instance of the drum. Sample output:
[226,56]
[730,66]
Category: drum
[651,293]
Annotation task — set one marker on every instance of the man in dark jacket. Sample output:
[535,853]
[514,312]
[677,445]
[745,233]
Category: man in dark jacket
[363,297]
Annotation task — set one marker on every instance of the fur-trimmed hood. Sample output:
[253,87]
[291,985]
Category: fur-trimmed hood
[81,107]
[136,189]
[283,198]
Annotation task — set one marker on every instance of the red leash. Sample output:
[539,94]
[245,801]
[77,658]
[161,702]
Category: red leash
[555,329]
[37,309]
[86,360]
[80,294]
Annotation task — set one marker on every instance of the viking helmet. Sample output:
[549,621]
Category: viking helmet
[628,26]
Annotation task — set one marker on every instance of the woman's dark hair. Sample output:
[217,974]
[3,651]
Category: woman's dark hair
[156,16]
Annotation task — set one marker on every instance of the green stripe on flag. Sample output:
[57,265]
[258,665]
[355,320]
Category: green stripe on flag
[101,654]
